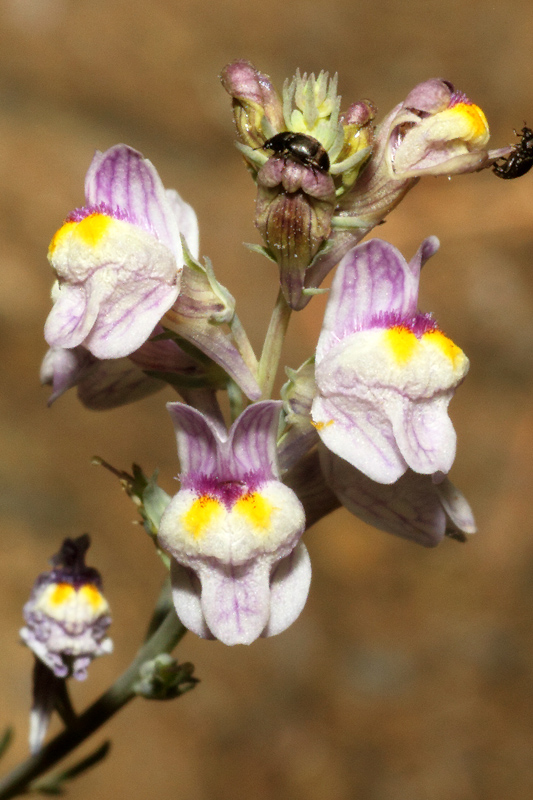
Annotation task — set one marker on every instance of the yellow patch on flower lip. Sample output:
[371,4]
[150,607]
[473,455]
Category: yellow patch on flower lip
[473,123]
[201,513]
[448,348]
[93,597]
[255,508]
[61,593]
[58,597]
[402,343]
[60,235]
[90,230]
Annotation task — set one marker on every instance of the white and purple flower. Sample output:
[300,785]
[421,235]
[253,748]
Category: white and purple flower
[67,618]
[118,259]
[385,373]
[233,529]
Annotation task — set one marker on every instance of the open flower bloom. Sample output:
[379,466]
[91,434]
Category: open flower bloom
[414,507]
[67,616]
[118,259]
[233,529]
[385,373]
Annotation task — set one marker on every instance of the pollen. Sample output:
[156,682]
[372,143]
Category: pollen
[203,511]
[321,425]
[256,509]
[402,342]
[449,349]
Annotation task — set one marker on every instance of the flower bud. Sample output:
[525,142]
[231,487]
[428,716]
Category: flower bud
[294,207]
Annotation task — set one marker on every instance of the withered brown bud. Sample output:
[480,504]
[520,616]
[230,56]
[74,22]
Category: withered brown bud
[294,207]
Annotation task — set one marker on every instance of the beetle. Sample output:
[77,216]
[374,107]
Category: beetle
[521,159]
[301,148]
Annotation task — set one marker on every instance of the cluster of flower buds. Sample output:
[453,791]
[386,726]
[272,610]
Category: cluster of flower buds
[319,198]
[363,423]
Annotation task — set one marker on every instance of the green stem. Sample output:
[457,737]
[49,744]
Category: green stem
[163,640]
[268,365]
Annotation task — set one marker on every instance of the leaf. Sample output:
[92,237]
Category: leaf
[5,741]
[53,785]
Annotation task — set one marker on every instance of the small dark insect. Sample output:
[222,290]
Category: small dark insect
[521,159]
[301,148]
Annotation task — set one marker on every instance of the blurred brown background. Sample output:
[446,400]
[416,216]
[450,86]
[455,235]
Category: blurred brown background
[409,676]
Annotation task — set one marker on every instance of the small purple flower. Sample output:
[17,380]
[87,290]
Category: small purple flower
[233,529]
[118,259]
[67,616]
[385,373]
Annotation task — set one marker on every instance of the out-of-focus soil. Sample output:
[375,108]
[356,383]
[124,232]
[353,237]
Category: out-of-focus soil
[409,675]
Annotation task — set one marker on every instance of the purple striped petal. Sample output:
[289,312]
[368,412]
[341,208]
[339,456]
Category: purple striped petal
[252,441]
[289,587]
[413,507]
[186,596]
[123,179]
[236,600]
[372,279]
[72,316]
[196,438]
[424,433]
[360,433]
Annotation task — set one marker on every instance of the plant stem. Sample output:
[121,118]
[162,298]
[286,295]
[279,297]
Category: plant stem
[268,365]
[163,640]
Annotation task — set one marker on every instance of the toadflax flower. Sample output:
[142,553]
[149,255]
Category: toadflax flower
[119,259]
[414,507]
[67,618]
[233,529]
[385,373]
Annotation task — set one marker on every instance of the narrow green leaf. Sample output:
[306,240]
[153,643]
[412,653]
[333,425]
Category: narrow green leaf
[54,783]
[5,741]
